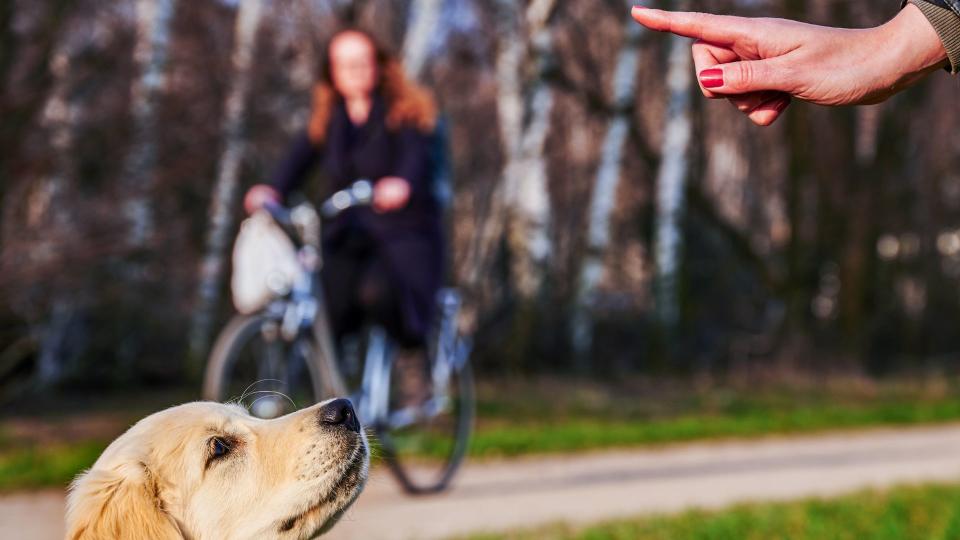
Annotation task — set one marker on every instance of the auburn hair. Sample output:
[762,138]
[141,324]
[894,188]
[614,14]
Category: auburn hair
[408,104]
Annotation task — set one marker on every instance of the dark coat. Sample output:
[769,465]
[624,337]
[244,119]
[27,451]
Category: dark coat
[410,239]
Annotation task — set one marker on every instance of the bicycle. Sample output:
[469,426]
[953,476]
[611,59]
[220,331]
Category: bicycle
[284,355]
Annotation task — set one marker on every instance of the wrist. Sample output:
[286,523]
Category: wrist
[912,46]
[946,22]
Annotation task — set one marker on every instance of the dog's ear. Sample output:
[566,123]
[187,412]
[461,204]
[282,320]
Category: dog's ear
[118,503]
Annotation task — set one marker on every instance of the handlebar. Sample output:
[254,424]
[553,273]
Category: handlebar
[279,213]
[360,193]
[283,217]
[296,221]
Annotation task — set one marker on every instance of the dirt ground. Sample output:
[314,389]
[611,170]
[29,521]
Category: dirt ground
[605,485]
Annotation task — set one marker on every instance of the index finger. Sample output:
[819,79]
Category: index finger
[718,29]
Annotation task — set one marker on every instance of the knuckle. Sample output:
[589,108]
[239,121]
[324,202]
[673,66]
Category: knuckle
[746,75]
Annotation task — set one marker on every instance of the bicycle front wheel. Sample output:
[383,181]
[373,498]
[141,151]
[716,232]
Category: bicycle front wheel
[253,364]
[424,445]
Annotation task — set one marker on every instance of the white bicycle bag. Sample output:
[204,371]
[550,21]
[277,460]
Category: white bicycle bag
[264,263]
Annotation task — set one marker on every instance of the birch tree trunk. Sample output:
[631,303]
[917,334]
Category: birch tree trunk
[59,119]
[154,19]
[670,182]
[224,198]
[526,171]
[18,116]
[303,75]
[424,19]
[508,67]
[49,212]
[603,198]
[521,199]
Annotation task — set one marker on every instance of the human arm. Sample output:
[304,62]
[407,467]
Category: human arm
[288,177]
[760,64]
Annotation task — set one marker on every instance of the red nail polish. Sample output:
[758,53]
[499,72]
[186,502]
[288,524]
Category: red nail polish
[711,78]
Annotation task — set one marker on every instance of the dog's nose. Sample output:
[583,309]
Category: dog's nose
[339,412]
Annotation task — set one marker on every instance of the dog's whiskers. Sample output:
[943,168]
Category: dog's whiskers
[247,391]
[271,393]
[238,400]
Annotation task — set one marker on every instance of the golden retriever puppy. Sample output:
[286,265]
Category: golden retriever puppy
[208,471]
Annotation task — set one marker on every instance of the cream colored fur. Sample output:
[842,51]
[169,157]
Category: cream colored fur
[291,477]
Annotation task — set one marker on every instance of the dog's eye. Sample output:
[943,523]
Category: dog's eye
[218,447]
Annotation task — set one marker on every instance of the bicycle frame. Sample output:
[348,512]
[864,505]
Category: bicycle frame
[373,396]
[303,308]
[306,308]
[451,352]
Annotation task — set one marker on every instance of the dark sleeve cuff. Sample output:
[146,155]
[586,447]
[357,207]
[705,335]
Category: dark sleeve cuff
[945,4]
[946,22]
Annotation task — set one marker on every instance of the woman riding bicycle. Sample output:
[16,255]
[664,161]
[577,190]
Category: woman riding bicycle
[382,264]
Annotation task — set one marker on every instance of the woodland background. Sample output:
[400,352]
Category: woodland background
[604,219]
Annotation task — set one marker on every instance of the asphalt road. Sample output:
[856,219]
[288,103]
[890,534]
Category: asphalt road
[592,487]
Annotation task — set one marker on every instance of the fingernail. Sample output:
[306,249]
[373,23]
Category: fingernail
[711,78]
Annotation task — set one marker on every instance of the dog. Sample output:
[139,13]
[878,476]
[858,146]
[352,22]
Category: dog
[208,470]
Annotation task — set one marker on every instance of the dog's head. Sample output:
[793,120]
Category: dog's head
[205,470]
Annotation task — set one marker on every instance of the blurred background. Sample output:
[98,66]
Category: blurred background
[604,219]
[633,256]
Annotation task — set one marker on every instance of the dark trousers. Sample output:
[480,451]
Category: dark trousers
[362,288]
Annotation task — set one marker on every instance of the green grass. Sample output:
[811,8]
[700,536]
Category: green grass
[557,416]
[924,512]
[35,467]
[543,416]
[578,433]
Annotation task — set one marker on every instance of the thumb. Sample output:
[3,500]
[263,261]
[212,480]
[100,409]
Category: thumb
[745,77]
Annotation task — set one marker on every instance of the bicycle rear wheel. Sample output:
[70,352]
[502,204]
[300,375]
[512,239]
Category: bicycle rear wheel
[424,445]
[252,363]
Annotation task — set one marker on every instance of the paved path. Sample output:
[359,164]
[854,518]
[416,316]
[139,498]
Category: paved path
[588,488]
